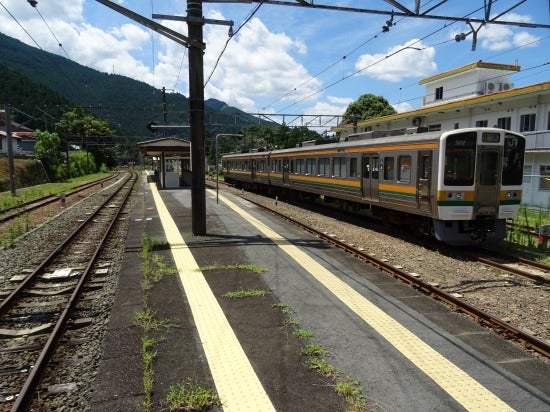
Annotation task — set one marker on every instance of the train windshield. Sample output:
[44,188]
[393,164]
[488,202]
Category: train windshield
[460,155]
[512,170]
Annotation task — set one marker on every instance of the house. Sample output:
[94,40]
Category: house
[22,138]
[481,94]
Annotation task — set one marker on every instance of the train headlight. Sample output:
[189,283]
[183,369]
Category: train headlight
[512,195]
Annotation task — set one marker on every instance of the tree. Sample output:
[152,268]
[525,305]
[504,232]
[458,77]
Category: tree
[95,135]
[48,150]
[368,106]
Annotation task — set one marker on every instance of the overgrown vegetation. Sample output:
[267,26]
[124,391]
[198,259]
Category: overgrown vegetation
[315,355]
[181,397]
[520,237]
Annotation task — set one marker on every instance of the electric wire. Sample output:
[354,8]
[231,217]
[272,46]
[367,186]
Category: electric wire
[53,34]
[445,26]
[246,20]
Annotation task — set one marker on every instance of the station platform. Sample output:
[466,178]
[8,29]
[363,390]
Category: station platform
[407,352]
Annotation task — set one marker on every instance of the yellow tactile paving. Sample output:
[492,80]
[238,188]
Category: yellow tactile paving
[236,382]
[457,383]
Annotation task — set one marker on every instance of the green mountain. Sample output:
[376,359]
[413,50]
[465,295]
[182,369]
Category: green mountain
[45,85]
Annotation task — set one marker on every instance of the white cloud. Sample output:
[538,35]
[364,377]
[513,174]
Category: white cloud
[399,62]
[257,64]
[402,107]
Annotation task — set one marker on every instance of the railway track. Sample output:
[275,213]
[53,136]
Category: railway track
[505,329]
[45,302]
[15,211]
[529,269]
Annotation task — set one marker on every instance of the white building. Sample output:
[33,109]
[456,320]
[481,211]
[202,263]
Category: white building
[481,94]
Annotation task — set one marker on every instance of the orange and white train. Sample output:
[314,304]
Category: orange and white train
[458,185]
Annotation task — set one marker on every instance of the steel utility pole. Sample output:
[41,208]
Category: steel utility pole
[196,116]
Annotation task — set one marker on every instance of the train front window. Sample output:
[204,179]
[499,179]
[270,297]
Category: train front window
[460,154]
[512,168]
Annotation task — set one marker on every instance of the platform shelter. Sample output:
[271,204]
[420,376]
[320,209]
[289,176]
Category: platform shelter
[171,160]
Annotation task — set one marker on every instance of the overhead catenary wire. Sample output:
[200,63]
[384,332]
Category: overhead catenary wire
[345,77]
[231,35]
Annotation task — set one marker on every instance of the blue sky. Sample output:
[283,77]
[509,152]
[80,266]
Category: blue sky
[288,59]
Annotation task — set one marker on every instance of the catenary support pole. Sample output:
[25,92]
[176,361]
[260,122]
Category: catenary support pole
[196,117]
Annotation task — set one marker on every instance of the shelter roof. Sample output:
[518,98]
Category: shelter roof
[166,145]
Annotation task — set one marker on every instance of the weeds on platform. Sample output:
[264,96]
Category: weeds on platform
[191,397]
[243,266]
[154,329]
[241,294]
[315,355]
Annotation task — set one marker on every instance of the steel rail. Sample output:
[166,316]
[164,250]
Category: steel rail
[502,266]
[22,208]
[26,395]
[500,326]
[8,301]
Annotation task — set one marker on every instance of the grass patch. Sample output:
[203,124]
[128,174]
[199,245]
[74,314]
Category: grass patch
[302,334]
[313,349]
[28,194]
[241,294]
[352,393]
[244,266]
[22,225]
[191,397]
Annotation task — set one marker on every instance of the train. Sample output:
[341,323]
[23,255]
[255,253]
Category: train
[459,186]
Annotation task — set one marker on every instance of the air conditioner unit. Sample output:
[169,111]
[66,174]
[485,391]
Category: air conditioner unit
[492,87]
[507,86]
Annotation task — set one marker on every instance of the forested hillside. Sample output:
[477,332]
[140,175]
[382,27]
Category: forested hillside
[125,103]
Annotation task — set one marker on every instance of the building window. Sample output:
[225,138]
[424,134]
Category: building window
[481,123]
[544,178]
[434,127]
[504,123]
[548,123]
[439,93]
[527,122]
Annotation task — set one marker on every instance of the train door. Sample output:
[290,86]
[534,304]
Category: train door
[487,180]
[286,171]
[424,181]
[370,170]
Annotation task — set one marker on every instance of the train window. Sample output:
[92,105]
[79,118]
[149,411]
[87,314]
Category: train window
[353,167]
[512,167]
[300,166]
[339,166]
[310,166]
[262,166]
[404,169]
[323,166]
[490,137]
[389,168]
[460,154]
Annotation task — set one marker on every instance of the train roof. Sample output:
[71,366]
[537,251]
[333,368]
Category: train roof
[363,140]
